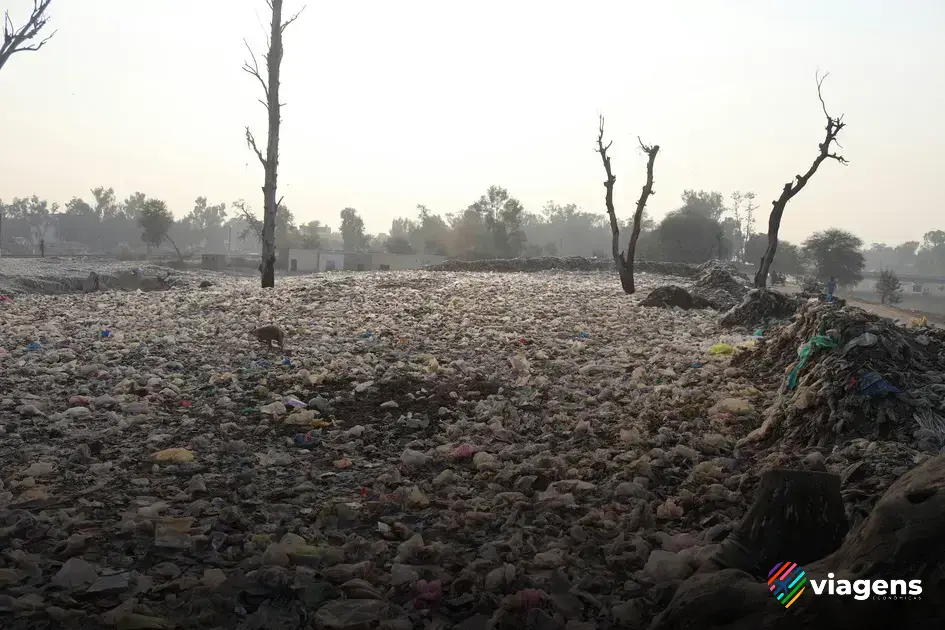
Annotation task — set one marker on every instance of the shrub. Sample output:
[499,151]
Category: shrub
[889,287]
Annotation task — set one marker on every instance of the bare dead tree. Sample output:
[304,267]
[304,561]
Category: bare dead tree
[19,39]
[623,261]
[270,162]
[834,125]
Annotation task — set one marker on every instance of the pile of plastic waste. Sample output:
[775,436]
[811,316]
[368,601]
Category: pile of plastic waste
[761,307]
[720,284]
[55,275]
[847,373]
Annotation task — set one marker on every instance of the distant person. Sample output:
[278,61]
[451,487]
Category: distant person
[42,247]
[831,288]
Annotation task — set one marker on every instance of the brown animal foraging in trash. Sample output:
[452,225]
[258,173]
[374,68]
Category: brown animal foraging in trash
[267,334]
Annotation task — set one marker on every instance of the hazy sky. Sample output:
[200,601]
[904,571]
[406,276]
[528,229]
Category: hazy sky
[391,104]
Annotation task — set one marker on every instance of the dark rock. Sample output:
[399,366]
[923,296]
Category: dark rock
[671,296]
[75,573]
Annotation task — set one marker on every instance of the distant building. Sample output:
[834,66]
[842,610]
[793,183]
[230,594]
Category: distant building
[315,260]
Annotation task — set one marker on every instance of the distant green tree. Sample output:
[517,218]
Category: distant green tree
[352,231]
[500,215]
[205,217]
[708,204]
[398,245]
[788,259]
[156,221]
[889,287]
[688,236]
[836,253]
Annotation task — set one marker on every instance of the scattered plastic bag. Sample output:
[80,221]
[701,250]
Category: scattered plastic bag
[874,385]
[311,439]
[804,354]
[174,456]
[722,348]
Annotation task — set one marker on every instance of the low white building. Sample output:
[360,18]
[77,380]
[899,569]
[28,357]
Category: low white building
[312,260]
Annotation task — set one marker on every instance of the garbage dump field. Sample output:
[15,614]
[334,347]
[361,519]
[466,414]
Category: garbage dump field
[453,450]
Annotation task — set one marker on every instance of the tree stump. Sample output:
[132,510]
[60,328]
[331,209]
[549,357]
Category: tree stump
[797,515]
[902,539]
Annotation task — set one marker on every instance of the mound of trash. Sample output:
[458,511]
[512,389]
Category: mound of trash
[721,284]
[850,374]
[672,296]
[571,263]
[55,275]
[761,307]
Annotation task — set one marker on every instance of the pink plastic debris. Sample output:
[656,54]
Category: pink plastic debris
[463,451]
[428,593]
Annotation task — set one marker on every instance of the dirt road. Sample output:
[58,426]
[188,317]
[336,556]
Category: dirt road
[901,315]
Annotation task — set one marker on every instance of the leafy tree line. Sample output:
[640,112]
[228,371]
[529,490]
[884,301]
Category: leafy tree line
[105,224]
[705,226]
[925,258]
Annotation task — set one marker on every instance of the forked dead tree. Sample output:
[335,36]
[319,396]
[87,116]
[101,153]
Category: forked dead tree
[834,125]
[21,39]
[623,261]
[270,162]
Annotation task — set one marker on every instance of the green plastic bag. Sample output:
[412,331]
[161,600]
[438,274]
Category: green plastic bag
[804,352]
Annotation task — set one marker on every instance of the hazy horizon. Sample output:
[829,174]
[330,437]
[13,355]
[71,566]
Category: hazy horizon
[422,103]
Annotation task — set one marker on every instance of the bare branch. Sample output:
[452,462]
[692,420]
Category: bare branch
[254,71]
[790,189]
[251,141]
[609,194]
[624,262]
[292,19]
[17,39]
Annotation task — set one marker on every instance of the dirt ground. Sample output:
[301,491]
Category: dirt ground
[902,315]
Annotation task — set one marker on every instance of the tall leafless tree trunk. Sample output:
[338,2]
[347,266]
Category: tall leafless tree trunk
[270,163]
[625,262]
[834,125]
[18,39]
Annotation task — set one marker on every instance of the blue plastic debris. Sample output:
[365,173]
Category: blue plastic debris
[34,346]
[307,440]
[105,333]
[875,386]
